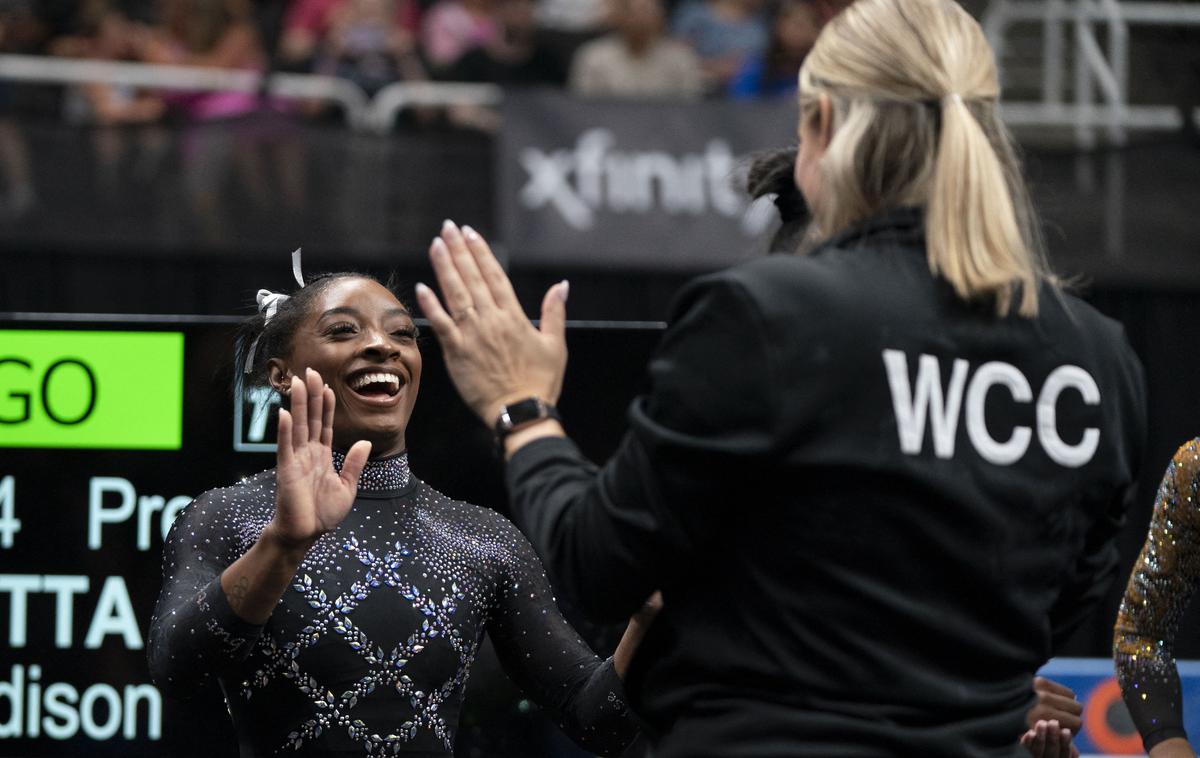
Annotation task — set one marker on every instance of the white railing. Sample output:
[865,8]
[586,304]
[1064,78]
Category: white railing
[42,70]
[1097,71]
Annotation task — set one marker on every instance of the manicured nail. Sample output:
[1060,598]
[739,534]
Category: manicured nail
[421,289]
[447,225]
[564,289]
[470,233]
[439,247]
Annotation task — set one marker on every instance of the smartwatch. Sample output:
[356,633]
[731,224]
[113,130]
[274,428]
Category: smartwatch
[521,413]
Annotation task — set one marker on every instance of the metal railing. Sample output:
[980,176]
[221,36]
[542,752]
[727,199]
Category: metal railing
[1097,71]
[1100,71]
[361,112]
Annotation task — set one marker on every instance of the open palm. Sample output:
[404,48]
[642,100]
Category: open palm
[312,498]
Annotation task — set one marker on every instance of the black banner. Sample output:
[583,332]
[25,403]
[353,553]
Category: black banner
[634,184]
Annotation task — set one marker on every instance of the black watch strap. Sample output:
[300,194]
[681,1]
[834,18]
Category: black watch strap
[521,413]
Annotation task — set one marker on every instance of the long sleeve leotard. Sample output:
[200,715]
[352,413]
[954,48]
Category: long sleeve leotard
[1163,581]
[369,650]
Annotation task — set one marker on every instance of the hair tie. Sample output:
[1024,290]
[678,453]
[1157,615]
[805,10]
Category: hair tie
[952,99]
[268,306]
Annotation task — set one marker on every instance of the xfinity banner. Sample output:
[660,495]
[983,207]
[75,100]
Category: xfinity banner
[633,184]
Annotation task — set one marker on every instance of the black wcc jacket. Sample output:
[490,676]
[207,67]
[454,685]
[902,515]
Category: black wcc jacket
[873,509]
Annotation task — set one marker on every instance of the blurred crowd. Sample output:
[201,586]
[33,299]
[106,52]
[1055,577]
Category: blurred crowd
[622,48]
[669,49]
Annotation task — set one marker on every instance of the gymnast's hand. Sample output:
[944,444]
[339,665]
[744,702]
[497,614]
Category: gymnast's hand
[1046,739]
[1052,721]
[312,498]
[494,355]
[1055,702]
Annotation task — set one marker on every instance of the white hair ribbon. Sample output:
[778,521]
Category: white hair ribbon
[268,306]
[296,267]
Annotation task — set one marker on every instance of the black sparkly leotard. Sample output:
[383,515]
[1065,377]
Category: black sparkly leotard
[369,650]
[1163,581]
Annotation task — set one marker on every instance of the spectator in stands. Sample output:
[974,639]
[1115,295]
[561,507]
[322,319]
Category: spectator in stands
[370,44]
[17,29]
[227,133]
[213,33]
[566,25]
[453,28]
[637,59]
[106,33]
[519,56]
[308,24]
[724,33]
[794,28]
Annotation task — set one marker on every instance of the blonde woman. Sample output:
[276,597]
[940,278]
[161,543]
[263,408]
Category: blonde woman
[878,484]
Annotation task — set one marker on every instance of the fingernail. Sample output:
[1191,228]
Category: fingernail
[421,289]
[469,233]
[564,289]
[447,225]
[439,247]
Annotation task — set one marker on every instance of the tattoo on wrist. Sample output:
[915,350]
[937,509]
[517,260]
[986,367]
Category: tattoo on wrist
[237,593]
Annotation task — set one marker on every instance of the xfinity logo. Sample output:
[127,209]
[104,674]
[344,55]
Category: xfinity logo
[594,176]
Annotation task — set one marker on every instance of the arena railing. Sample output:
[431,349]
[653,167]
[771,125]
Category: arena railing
[1100,71]
[1097,70]
[65,71]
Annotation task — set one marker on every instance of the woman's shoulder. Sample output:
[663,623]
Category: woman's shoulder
[780,284]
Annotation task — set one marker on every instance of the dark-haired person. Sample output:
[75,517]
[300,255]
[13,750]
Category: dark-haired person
[338,599]
[878,484]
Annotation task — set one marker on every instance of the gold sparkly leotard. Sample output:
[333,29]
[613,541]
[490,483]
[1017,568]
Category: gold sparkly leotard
[1162,582]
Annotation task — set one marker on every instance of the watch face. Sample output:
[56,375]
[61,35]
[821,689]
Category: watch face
[522,412]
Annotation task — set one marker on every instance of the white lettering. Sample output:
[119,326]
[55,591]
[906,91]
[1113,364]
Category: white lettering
[261,399]
[987,376]
[14,691]
[18,587]
[595,176]
[60,697]
[153,698]
[101,712]
[928,400]
[130,502]
[33,702]
[1071,456]
[87,711]
[64,588]
[98,514]
[114,615]
[9,523]
[912,408]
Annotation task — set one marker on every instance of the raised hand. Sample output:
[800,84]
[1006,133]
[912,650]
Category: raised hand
[312,498]
[494,355]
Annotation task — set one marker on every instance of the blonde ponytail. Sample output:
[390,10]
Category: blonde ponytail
[914,92]
[973,237]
